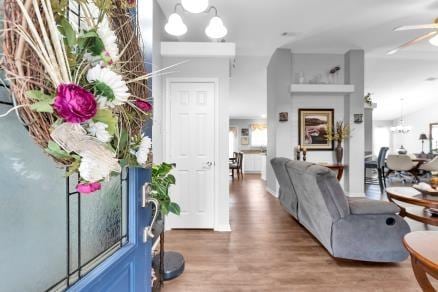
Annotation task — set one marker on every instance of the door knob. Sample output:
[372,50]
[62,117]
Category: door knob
[208,165]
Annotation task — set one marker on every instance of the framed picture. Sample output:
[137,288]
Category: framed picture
[312,128]
[244,140]
[283,117]
[245,132]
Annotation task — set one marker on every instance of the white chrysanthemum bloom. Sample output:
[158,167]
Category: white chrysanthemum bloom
[93,169]
[99,130]
[112,90]
[143,150]
[110,55]
[109,39]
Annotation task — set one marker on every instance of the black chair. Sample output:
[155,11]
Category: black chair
[237,165]
[379,165]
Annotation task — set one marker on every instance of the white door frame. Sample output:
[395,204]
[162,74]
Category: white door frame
[167,123]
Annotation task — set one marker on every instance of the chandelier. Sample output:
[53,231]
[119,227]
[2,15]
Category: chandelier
[401,128]
[175,25]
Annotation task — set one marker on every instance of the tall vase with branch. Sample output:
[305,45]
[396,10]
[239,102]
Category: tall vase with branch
[340,133]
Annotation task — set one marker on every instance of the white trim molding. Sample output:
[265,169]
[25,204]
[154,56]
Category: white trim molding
[198,49]
[222,228]
[274,194]
[355,195]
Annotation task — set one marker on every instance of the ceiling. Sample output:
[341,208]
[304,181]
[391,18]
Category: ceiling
[334,26]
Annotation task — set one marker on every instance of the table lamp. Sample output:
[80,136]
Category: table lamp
[422,138]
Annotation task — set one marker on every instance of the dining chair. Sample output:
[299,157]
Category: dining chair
[402,164]
[237,165]
[430,166]
[379,165]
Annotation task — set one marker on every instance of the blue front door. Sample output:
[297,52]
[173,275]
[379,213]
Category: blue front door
[129,269]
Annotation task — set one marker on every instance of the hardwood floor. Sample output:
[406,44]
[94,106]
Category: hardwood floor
[269,251]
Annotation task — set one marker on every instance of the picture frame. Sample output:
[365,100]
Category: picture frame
[244,140]
[313,125]
[244,132]
[283,117]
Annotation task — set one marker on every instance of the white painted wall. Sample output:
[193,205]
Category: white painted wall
[157,84]
[212,68]
[419,121]
[248,87]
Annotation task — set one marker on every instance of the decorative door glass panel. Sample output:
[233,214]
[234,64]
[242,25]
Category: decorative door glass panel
[32,212]
[35,217]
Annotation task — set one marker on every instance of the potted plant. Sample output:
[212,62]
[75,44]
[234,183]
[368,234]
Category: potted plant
[170,264]
[368,100]
[340,133]
[161,182]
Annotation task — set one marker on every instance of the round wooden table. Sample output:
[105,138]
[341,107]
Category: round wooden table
[416,199]
[423,247]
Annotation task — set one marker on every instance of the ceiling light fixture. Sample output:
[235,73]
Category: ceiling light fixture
[401,128]
[216,28]
[175,25]
[195,6]
[434,41]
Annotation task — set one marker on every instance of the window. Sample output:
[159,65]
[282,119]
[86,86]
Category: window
[259,135]
[381,138]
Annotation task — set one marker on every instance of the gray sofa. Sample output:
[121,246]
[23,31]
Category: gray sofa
[348,227]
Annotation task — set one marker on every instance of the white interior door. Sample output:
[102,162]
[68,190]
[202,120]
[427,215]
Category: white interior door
[191,146]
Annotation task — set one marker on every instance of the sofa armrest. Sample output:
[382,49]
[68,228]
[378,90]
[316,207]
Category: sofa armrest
[365,206]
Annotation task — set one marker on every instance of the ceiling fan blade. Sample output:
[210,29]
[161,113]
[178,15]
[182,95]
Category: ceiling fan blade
[420,26]
[413,42]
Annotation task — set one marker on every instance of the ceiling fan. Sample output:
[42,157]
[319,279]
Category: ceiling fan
[432,36]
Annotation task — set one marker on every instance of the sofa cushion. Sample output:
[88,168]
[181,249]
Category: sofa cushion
[365,206]
[313,212]
[287,195]
[331,191]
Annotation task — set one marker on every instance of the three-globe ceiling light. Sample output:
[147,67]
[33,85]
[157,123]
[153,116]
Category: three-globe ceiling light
[195,6]
[176,27]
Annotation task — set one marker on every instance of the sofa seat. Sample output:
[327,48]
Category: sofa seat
[364,206]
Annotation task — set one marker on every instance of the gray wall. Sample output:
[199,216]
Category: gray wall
[283,136]
[354,104]
[368,128]
[279,78]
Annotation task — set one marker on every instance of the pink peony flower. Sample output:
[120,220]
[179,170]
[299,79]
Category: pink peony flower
[143,105]
[87,188]
[74,104]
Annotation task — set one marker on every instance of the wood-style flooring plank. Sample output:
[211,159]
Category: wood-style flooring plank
[268,250]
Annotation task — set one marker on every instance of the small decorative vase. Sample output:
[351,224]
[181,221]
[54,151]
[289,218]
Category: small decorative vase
[339,153]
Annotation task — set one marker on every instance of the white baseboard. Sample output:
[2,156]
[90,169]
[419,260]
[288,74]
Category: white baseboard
[272,192]
[356,194]
[223,228]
